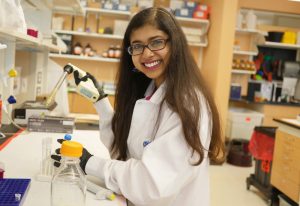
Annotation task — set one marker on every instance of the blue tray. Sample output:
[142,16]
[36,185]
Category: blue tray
[9,187]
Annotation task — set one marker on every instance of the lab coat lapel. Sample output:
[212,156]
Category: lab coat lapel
[144,120]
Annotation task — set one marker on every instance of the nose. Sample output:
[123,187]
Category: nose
[147,52]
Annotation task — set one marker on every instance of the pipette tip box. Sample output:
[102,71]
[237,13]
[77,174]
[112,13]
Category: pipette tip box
[13,191]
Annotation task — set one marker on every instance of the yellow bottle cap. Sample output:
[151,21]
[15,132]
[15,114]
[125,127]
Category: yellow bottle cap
[12,73]
[71,149]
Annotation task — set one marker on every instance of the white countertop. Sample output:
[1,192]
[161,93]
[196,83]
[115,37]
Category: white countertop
[22,159]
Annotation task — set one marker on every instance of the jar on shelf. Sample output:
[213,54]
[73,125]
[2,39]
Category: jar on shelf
[77,50]
[111,51]
[68,185]
[117,53]
[251,20]
[87,50]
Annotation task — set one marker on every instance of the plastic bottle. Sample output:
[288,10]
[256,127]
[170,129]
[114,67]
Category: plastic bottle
[251,20]
[239,20]
[68,186]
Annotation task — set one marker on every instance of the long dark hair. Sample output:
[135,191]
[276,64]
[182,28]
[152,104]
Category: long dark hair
[182,75]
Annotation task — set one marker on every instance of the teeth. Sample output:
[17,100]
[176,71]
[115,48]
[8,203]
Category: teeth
[152,64]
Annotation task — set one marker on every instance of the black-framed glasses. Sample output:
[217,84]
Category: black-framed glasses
[154,45]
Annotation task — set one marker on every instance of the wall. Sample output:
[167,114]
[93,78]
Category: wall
[272,5]
[217,58]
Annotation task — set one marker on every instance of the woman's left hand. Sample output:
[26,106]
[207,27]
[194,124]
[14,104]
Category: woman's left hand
[83,159]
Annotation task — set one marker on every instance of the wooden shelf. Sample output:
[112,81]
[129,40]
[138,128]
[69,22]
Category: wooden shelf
[280,45]
[86,34]
[108,12]
[237,71]
[70,56]
[24,41]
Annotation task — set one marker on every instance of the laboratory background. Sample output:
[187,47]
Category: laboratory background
[247,50]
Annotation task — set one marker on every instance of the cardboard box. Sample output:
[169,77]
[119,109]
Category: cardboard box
[162,3]
[79,23]
[93,4]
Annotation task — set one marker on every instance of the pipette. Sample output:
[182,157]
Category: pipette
[100,192]
[52,95]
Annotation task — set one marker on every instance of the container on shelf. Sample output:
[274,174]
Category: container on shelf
[251,20]
[274,36]
[241,122]
[235,91]
[289,37]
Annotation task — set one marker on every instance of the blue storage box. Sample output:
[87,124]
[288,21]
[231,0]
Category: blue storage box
[235,91]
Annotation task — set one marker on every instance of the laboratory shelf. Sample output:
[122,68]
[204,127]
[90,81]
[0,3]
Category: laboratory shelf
[24,41]
[280,45]
[60,6]
[193,20]
[238,71]
[204,44]
[249,31]
[246,53]
[68,6]
[107,12]
[86,34]
[70,56]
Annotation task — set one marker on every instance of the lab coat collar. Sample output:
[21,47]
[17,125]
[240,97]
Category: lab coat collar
[158,95]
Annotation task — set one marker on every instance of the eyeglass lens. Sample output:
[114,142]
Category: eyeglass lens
[154,45]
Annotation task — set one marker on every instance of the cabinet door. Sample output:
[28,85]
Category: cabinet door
[286,168]
[79,104]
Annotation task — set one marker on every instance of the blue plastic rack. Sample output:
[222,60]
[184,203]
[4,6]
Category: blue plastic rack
[9,187]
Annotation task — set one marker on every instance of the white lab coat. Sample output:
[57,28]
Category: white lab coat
[160,173]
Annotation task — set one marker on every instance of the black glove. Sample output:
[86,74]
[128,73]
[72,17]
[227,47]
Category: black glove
[85,78]
[83,159]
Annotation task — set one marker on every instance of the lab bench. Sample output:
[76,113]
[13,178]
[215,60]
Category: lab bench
[22,159]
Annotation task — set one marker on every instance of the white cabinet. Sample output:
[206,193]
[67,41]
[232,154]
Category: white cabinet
[29,54]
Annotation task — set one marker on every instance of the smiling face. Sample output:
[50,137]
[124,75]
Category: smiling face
[152,63]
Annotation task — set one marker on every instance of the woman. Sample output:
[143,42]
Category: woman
[165,127]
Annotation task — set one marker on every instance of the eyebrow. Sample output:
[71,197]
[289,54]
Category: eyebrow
[150,39]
